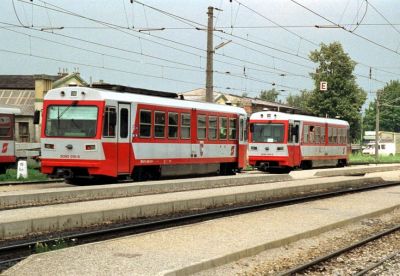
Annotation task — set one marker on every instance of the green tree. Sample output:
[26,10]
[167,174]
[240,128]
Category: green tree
[344,98]
[300,101]
[389,115]
[269,95]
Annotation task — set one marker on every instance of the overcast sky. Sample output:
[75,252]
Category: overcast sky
[271,41]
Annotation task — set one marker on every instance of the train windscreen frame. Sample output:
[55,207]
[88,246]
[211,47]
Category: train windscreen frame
[71,121]
[268,133]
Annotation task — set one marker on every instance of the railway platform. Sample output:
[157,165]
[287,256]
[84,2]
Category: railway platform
[189,249]
[21,222]
[78,207]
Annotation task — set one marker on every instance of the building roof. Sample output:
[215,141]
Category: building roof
[22,99]
[65,78]
[200,95]
[23,81]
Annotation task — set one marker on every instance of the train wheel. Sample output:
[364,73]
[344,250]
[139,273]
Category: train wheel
[146,173]
[227,169]
[341,163]
[76,181]
[306,164]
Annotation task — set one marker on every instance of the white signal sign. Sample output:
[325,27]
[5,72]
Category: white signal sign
[323,86]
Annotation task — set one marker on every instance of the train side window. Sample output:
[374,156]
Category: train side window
[330,137]
[123,125]
[344,135]
[311,134]
[317,134]
[108,122]
[212,128]
[246,124]
[185,126]
[335,134]
[201,127]
[322,135]
[5,126]
[159,124]
[223,127]
[172,125]
[232,128]
[145,124]
[305,134]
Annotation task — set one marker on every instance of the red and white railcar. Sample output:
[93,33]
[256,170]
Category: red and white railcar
[285,141]
[90,132]
[7,141]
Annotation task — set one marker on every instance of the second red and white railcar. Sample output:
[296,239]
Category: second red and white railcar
[90,132]
[7,141]
[285,141]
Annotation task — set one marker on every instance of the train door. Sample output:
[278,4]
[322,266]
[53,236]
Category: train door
[327,130]
[294,143]
[194,145]
[242,146]
[124,139]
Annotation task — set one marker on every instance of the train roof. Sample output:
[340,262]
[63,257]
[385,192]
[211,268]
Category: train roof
[9,110]
[273,115]
[100,95]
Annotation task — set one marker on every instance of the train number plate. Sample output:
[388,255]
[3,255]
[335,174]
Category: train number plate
[70,156]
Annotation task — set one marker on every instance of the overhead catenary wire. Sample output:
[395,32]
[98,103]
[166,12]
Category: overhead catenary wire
[98,66]
[127,59]
[383,16]
[343,28]
[116,27]
[260,44]
[180,44]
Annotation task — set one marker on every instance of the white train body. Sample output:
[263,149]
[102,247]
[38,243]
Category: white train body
[7,137]
[92,132]
[281,140]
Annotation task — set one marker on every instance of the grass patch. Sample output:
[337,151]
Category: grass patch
[11,175]
[365,158]
[44,247]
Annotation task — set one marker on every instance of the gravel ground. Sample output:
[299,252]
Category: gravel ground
[271,262]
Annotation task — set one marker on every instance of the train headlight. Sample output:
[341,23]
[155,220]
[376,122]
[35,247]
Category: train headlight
[90,147]
[49,146]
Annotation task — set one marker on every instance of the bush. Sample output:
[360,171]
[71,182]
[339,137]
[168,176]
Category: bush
[11,175]
[366,158]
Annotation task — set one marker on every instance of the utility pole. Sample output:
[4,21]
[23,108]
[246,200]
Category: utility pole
[210,52]
[377,127]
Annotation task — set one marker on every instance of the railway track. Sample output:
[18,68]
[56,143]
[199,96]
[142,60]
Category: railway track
[321,263]
[18,250]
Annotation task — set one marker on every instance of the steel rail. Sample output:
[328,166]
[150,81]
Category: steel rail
[319,260]
[376,264]
[184,219]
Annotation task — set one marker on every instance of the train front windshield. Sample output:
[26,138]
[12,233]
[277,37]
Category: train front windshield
[71,121]
[268,133]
